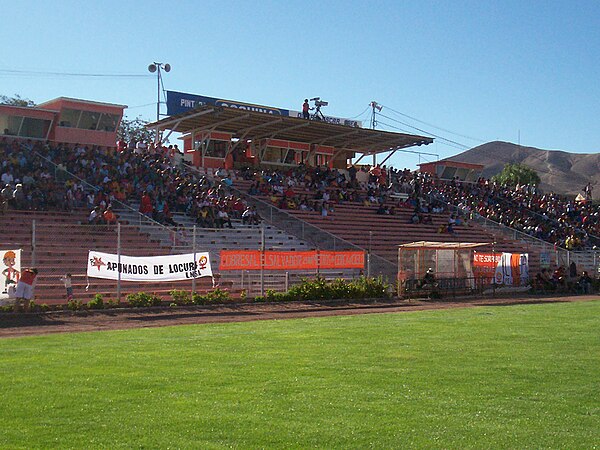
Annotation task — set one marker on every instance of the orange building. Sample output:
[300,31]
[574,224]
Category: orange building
[65,120]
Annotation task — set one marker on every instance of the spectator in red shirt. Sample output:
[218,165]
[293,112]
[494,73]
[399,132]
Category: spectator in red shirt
[109,216]
[305,109]
[146,205]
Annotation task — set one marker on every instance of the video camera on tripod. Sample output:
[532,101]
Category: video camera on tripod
[318,115]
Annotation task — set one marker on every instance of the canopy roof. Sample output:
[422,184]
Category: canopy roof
[443,245]
[252,125]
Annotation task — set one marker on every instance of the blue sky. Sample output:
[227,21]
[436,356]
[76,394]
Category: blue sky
[477,70]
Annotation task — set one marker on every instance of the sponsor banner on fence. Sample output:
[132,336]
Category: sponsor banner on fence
[10,268]
[509,269]
[149,268]
[274,260]
[484,264]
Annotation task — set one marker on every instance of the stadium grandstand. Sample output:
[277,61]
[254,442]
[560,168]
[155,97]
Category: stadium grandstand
[301,179]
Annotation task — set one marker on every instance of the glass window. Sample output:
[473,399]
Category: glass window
[323,160]
[290,156]
[448,173]
[300,156]
[69,118]
[108,122]
[272,154]
[216,149]
[462,173]
[10,125]
[35,128]
[89,120]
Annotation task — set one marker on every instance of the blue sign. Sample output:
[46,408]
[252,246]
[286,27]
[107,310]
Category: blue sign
[179,102]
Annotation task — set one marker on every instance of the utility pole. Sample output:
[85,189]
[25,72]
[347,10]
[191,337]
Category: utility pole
[374,107]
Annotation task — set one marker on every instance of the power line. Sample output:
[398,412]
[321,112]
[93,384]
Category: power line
[141,106]
[434,126]
[34,73]
[359,115]
[449,141]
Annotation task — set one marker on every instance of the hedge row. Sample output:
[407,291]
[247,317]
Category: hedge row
[307,290]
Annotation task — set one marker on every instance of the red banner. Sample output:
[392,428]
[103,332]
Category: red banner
[273,260]
[484,264]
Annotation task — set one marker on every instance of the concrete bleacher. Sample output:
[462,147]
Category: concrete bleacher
[240,237]
[213,240]
[382,234]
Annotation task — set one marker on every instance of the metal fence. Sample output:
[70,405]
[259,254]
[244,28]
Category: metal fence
[56,249]
[446,287]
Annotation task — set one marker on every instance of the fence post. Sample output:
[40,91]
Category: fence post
[119,262]
[287,281]
[194,251]
[318,262]
[262,259]
[33,243]
[369,255]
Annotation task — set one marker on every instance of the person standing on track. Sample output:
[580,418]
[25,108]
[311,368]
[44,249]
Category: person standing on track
[67,280]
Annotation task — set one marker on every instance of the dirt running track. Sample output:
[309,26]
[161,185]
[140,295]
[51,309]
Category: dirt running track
[13,325]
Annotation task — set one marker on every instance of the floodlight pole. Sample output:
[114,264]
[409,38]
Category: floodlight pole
[158,93]
[156,67]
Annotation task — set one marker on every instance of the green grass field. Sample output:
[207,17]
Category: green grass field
[503,377]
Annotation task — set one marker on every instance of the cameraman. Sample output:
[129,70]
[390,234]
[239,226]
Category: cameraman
[305,109]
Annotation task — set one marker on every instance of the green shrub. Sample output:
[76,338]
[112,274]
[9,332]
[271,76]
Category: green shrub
[198,299]
[143,300]
[320,289]
[181,297]
[97,302]
[215,296]
[74,305]
[34,307]
[111,303]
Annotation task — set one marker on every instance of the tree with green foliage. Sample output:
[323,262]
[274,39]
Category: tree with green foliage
[135,130]
[16,101]
[516,173]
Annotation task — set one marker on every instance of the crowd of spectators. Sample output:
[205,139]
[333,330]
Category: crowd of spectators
[43,176]
[309,188]
[563,279]
[546,216]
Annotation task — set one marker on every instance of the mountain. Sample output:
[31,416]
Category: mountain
[560,172]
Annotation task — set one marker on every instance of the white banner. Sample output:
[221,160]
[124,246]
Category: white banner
[10,268]
[513,269]
[150,268]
